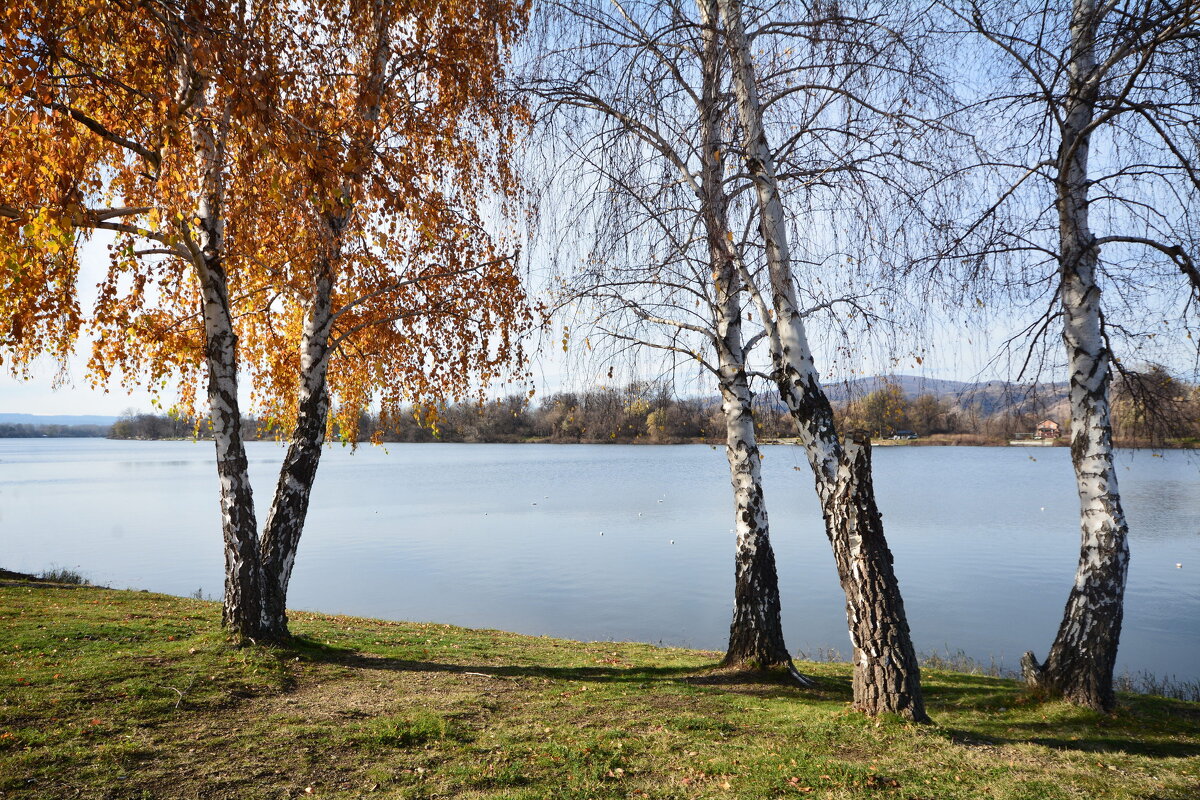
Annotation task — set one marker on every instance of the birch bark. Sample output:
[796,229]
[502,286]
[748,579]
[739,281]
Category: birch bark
[756,632]
[243,594]
[289,507]
[886,673]
[1081,660]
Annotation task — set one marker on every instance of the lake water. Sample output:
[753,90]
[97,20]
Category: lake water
[509,537]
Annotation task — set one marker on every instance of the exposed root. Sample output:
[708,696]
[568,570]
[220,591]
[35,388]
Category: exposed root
[804,681]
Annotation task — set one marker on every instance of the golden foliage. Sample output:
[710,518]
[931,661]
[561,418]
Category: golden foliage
[364,144]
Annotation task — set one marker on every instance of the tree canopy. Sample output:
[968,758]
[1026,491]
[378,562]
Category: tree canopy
[380,124]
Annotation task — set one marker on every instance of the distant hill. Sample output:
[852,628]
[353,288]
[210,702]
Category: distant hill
[990,397]
[56,419]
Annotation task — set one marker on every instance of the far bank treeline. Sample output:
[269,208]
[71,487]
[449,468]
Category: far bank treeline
[1151,409]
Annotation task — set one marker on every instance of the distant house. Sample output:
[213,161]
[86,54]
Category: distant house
[1047,429]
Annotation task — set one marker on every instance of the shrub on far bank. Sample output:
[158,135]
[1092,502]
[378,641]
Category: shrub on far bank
[64,575]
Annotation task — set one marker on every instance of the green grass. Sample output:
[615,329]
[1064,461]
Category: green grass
[121,694]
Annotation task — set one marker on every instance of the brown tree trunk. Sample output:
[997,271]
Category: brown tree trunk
[885,664]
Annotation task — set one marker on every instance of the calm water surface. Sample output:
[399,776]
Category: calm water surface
[509,536]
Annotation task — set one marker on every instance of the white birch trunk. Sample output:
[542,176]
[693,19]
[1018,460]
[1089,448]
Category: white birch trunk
[289,508]
[887,676]
[1081,660]
[242,608]
[756,631]
[793,363]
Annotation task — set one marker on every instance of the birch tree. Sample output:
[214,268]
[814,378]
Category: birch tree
[269,217]
[642,102]
[1106,93]
[136,97]
[424,77]
[886,672]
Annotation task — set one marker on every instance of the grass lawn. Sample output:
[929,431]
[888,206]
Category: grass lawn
[119,694]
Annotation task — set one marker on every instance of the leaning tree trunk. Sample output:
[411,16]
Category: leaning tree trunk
[243,593]
[885,666]
[1082,659]
[289,508]
[285,521]
[887,676]
[243,599]
[886,673]
[756,631]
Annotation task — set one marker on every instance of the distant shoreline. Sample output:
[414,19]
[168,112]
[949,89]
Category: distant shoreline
[938,440]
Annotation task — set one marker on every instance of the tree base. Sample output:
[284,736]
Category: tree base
[754,660]
[245,627]
[757,646]
[774,666]
[1083,690]
[887,676]
[873,698]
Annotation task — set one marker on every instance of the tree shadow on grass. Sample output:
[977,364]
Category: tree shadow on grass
[1140,730]
[1146,726]
[1059,736]
[768,682]
[351,658]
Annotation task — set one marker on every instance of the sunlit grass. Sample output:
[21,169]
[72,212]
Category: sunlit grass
[127,694]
